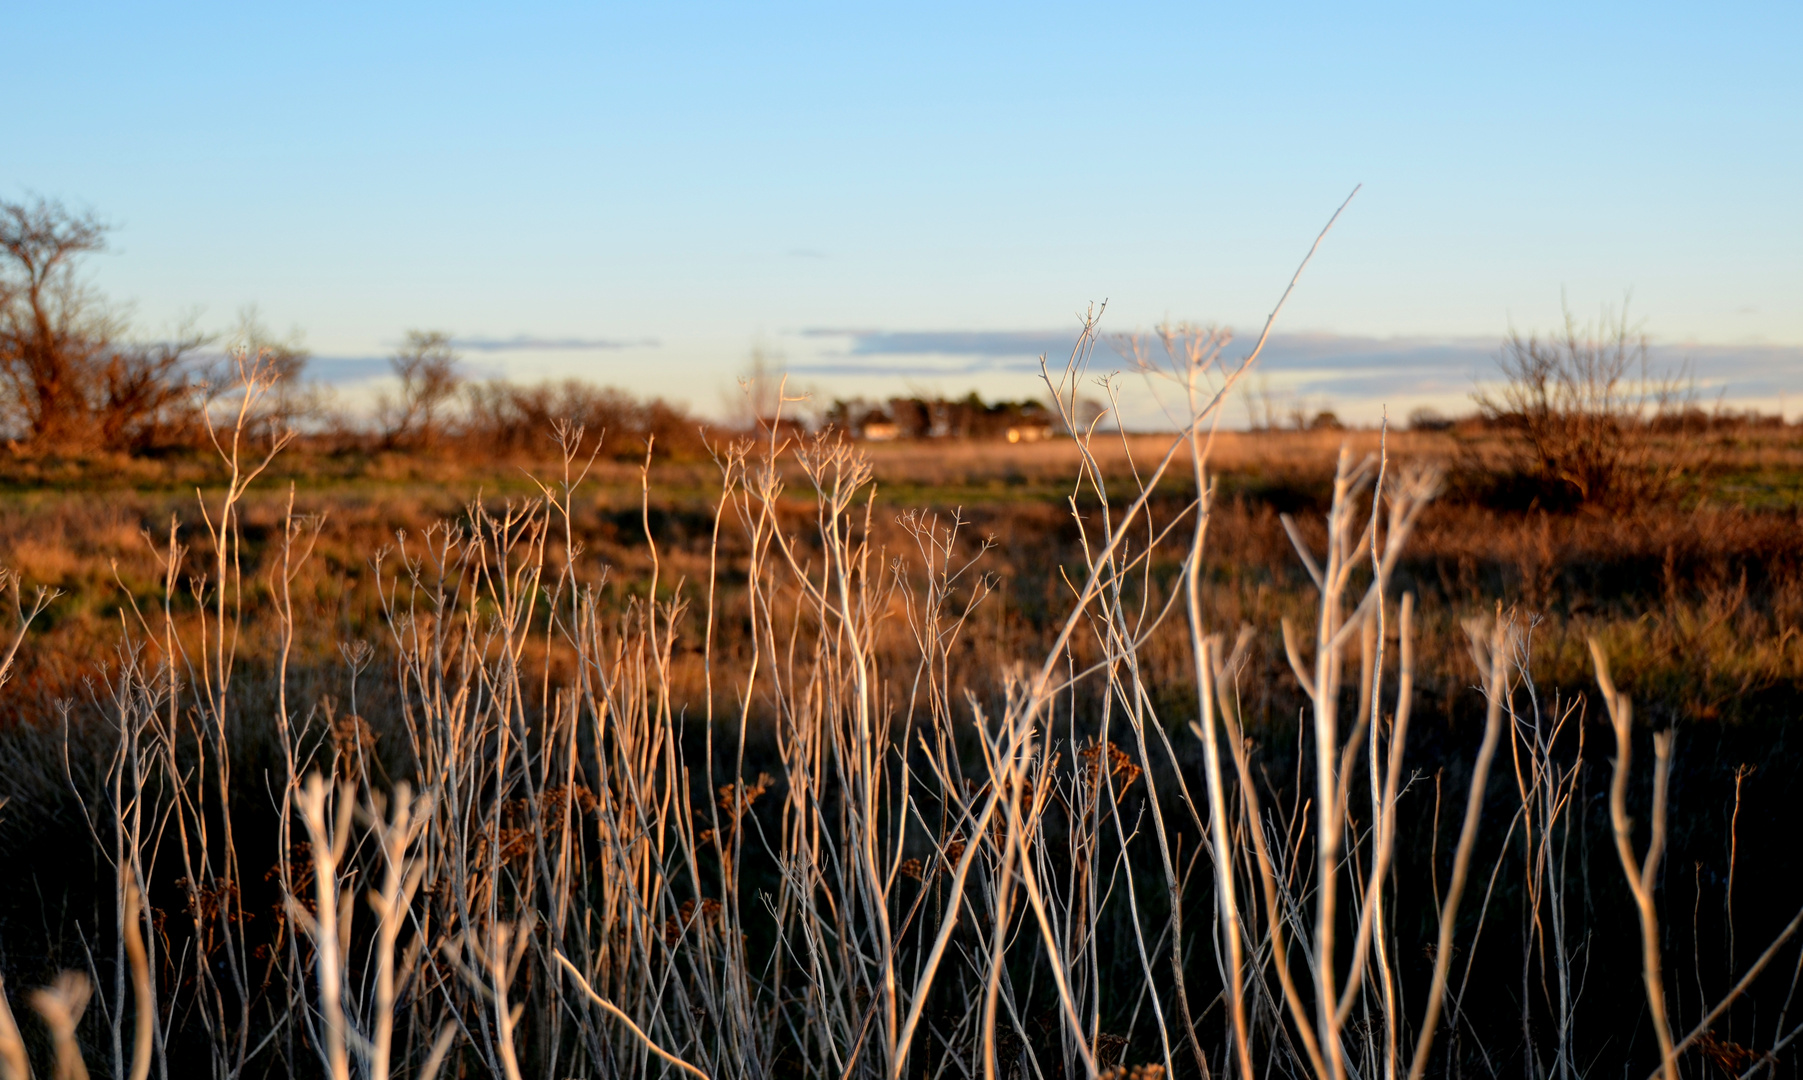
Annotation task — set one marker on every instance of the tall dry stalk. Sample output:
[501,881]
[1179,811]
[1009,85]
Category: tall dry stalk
[1492,655]
[1548,791]
[61,1005]
[144,1003]
[328,834]
[1640,871]
[12,1045]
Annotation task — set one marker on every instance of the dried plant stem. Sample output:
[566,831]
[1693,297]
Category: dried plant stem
[143,997]
[1737,990]
[614,1011]
[1641,873]
[327,843]
[1494,662]
[61,1005]
[12,1046]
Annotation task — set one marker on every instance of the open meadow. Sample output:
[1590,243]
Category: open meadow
[1167,541]
[786,755]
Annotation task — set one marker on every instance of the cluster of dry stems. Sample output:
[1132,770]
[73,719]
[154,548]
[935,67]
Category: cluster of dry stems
[935,883]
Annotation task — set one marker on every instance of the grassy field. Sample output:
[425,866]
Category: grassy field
[849,761]
[1700,599]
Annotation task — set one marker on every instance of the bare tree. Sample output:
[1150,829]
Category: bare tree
[47,315]
[427,368]
[68,379]
[1584,402]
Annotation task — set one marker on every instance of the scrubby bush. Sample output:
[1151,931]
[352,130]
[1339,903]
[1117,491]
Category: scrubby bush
[1584,404]
[509,418]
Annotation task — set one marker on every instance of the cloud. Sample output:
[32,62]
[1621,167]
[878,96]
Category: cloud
[348,370]
[1742,370]
[339,370]
[351,370]
[530,343]
[955,352]
[932,353]
[922,368]
[951,342]
[1317,365]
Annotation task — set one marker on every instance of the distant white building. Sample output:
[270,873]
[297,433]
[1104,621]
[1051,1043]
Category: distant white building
[1029,433]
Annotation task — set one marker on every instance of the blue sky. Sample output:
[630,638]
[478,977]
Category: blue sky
[641,195]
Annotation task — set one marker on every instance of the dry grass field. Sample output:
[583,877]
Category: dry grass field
[938,758]
[1700,598]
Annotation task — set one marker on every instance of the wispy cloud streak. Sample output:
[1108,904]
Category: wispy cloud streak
[1314,364]
[531,343]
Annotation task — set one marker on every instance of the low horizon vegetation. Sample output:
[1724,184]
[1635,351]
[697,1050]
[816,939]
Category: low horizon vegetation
[1584,403]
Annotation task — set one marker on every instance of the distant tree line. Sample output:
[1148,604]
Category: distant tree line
[1578,405]
[969,417]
